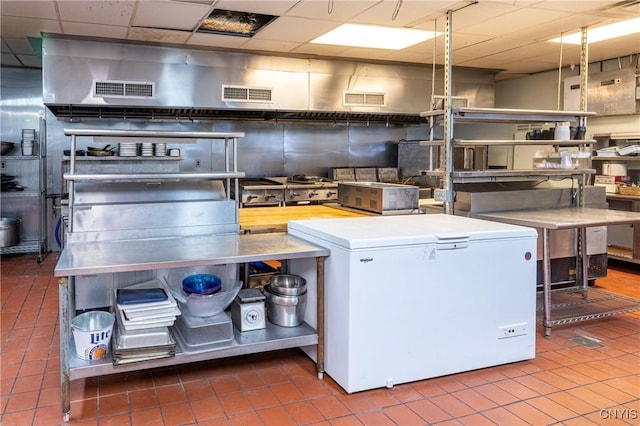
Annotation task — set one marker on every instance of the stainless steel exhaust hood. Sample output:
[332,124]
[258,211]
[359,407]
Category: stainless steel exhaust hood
[97,79]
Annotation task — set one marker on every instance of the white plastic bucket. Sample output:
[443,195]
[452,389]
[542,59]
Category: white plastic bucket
[92,334]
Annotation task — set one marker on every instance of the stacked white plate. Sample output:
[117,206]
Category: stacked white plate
[160,149]
[147,149]
[128,149]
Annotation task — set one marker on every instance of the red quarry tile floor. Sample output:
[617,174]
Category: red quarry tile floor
[567,383]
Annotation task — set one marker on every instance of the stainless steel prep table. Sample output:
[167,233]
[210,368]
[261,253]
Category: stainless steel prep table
[568,218]
[81,258]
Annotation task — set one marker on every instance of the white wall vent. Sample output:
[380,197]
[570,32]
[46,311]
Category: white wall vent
[247,94]
[123,89]
[363,99]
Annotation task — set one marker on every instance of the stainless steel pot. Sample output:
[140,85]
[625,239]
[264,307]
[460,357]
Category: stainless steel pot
[285,311]
[9,231]
[288,285]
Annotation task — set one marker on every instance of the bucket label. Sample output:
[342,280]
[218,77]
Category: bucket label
[99,337]
[96,352]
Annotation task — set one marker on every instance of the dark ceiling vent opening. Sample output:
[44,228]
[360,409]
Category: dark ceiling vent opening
[247,94]
[123,89]
[78,113]
[230,22]
[363,99]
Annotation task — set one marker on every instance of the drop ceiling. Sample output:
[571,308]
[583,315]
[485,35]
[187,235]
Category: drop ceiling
[509,36]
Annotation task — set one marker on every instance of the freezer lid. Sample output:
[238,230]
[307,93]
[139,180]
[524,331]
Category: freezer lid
[388,231]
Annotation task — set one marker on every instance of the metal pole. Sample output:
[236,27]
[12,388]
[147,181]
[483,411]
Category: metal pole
[65,330]
[447,152]
[320,315]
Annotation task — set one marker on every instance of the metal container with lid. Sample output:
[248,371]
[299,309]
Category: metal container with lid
[9,231]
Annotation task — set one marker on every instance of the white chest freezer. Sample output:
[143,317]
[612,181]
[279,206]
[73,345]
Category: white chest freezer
[419,296]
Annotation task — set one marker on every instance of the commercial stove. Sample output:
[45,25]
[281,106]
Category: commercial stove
[287,190]
[260,192]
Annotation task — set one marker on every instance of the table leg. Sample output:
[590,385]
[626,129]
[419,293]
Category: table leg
[546,283]
[65,330]
[584,262]
[320,314]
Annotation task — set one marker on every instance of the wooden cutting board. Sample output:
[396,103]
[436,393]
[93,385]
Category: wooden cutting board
[275,219]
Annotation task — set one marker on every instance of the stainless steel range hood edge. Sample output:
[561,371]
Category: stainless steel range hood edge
[189,84]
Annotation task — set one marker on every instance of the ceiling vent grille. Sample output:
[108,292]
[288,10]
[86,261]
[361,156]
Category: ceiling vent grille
[123,89]
[363,99]
[247,94]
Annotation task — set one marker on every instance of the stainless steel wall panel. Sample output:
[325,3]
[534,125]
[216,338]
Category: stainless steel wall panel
[369,147]
[314,150]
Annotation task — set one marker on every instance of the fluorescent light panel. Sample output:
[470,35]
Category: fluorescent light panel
[375,37]
[605,32]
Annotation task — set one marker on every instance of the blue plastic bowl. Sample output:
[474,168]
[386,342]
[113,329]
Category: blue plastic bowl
[202,284]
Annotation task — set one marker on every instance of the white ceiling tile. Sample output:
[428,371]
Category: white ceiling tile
[573,6]
[270,45]
[9,60]
[94,30]
[478,13]
[107,12]
[34,61]
[530,67]
[170,15]
[294,29]
[342,10]
[27,27]
[158,35]
[516,21]
[363,53]
[409,12]
[209,2]
[29,9]
[411,57]
[494,45]
[216,40]
[319,49]
[20,46]
[5,46]
[271,7]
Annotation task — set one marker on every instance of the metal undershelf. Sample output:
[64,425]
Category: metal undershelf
[272,337]
[570,307]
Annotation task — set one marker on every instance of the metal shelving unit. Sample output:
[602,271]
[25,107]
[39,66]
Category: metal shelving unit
[153,254]
[622,201]
[497,115]
[30,204]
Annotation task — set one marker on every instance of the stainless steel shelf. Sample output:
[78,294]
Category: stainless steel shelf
[152,134]
[20,157]
[503,115]
[120,158]
[502,142]
[502,175]
[272,337]
[142,176]
[33,245]
[20,194]
[80,258]
[619,158]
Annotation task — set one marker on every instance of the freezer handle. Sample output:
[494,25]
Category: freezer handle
[452,242]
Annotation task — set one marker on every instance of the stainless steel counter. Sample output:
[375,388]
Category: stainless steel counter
[105,257]
[83,258]
[569,218]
